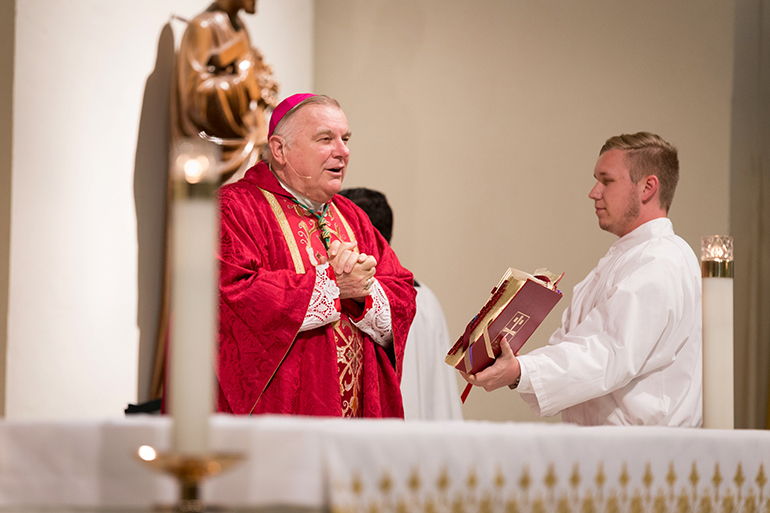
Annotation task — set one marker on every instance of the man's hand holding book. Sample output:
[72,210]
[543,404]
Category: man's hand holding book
[485,353]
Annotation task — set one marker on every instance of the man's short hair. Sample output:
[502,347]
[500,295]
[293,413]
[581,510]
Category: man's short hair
[648,154]
[375,204]
[285,127]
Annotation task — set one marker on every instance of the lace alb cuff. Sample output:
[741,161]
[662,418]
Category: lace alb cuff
[325,302]
[376,319]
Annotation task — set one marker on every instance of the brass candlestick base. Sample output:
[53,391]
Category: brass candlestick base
[190,470]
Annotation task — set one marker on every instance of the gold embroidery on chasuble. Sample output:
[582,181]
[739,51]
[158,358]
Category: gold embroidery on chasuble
[306,229]
[348,231]
[350,356]
[303,236]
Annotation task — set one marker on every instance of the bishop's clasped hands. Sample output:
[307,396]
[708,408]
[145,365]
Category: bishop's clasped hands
[354,271]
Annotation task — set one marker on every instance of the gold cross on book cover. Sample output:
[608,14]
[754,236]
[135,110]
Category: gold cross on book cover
[514,310]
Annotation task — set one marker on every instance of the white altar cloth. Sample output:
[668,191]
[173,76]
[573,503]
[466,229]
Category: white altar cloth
[366,465]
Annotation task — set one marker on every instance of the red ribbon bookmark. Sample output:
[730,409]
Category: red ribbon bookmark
[466,392]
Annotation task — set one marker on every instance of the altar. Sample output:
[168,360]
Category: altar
[303,464]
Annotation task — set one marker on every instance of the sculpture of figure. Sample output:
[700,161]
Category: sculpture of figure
[220,92]
[223,86]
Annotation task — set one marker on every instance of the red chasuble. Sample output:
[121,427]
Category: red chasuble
[269,250]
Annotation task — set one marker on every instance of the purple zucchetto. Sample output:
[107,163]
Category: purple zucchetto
[284,107]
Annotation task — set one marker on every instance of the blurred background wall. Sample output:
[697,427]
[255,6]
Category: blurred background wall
[481,121]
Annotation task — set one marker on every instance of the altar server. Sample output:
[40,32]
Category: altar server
[314,305]
[629,349]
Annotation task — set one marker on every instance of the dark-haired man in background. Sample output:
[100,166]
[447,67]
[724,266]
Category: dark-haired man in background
[428,385]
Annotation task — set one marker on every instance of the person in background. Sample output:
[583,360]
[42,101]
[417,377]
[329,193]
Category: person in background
[428,385]
[629,349]
[314,305]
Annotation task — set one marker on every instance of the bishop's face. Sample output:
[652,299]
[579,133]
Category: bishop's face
[617,200]
[317,155]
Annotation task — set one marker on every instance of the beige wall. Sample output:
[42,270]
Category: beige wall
[482,121]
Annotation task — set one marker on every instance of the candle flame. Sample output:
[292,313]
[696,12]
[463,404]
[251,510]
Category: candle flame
[147,453]
[195,169]
[194,162]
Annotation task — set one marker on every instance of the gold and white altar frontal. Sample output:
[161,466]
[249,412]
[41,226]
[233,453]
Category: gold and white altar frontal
[302,464]
[489,467]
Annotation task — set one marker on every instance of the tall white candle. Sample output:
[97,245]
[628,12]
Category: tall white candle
[193,301]
[717,267]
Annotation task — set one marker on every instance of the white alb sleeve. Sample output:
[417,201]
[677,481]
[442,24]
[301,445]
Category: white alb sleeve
[376,320]
[324,303]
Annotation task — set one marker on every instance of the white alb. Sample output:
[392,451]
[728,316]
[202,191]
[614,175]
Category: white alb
[629,350]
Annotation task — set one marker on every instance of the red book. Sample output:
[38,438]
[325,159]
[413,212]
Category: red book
[514,310]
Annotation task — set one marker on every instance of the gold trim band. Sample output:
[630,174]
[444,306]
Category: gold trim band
[714,269]
[283,222]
